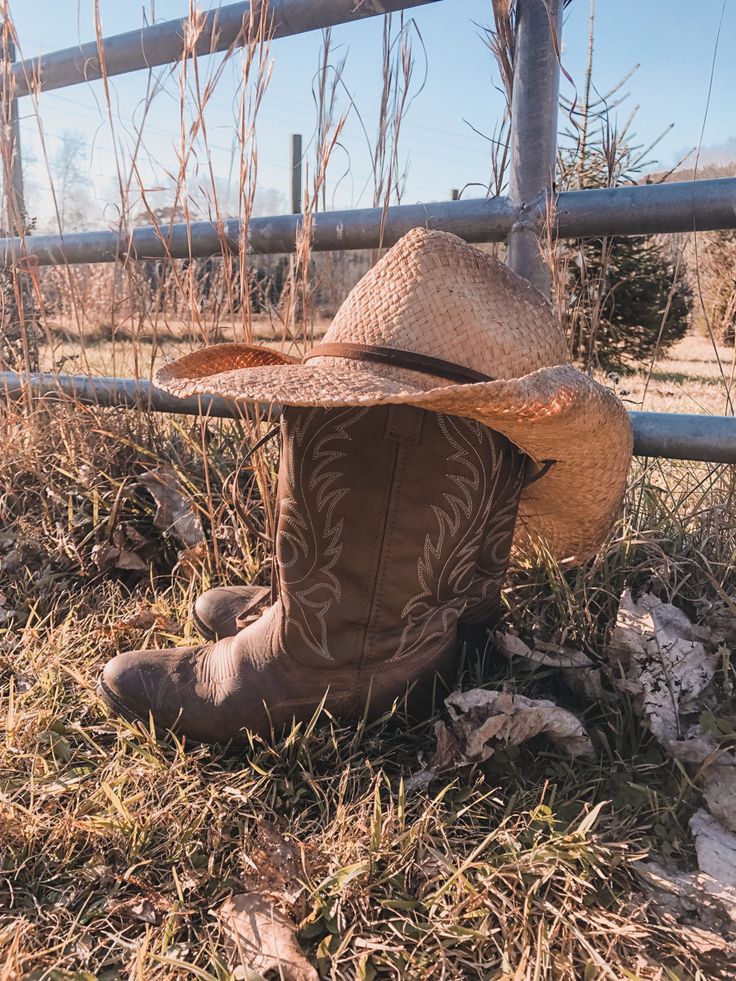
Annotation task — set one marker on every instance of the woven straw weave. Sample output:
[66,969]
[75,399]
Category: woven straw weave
[434,294]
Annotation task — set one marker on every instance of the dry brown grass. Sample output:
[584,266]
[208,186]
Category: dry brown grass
[104,347]
[116,847]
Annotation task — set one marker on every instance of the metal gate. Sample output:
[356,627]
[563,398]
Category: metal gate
[517,219]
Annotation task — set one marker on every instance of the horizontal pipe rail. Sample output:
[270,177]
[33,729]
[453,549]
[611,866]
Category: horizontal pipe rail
[476,221]
[126,392]
[645,209]
[163,43]
[679,436]
[656,434]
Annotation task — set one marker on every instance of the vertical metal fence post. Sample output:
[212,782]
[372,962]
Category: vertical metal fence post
[296,173]
[19,203]
[14,203]
[534,104]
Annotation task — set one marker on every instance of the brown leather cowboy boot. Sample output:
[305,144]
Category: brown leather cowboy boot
[382,540]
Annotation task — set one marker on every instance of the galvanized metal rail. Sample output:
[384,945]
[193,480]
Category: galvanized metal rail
[687,437]
[677,207]
[643,210]
[536,88]
[231,26]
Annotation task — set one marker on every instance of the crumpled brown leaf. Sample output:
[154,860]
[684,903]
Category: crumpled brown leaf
[106,556]
[174,510]
[578,671]
[190,560]
[148,909]
[144,619]
[261,938]
[663,663]
[715,847]
[275,864]
[482,720]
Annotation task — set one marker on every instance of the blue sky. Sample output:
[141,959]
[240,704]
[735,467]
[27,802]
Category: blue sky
[672,41]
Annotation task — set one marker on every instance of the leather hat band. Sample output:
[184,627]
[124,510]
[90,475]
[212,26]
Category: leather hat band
[399,359]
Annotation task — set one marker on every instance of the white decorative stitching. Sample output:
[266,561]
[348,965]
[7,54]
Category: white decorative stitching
[311,456]
[445,583]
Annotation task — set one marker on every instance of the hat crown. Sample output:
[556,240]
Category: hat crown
[433,294]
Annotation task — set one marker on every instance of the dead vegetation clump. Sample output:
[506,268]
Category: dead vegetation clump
[87,493]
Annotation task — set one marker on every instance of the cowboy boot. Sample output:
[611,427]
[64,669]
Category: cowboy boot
[382,519]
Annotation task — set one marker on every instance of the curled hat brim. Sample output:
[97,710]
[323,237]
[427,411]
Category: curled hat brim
[555,413]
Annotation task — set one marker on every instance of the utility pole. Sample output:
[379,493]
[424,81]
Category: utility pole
[296,173]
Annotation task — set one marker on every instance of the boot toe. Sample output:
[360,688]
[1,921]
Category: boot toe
[138,685]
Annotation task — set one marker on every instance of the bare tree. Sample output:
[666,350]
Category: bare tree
[72,183]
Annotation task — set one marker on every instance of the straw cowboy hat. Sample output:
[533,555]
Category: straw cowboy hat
[443,326]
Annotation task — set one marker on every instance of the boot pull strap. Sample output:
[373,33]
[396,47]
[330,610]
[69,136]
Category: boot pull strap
[542,472]
[396,358]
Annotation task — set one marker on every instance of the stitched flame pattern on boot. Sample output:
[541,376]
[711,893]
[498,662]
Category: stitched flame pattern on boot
[391,522]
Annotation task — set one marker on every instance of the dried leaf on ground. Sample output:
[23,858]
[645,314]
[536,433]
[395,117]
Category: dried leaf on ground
[721,619]
[151,909]
[419,781]
[578,671]
[715,847]
[260,938]
[11,562]
[190,560]
[482,720]
[663,663]
[144,619]
[174,509]
[274,864]
[106,557]
[705,909]
[719,790]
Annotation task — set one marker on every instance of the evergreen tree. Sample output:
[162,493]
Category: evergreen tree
[629,300]
[621,299]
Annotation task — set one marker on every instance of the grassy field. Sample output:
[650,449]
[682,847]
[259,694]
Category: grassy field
[116,849]
[694,376]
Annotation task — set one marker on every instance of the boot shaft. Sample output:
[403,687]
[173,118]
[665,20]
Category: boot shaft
[391,521]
